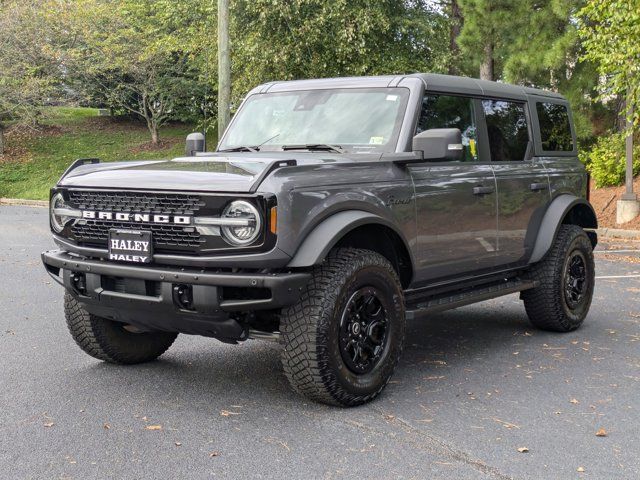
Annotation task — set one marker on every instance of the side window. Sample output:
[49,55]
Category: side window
[507,130]
[446,111]
[555,130]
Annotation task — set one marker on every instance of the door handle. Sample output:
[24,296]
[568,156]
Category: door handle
[539,186]
[483,190]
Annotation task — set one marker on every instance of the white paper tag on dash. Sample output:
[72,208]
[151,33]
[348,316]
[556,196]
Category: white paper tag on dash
[392,98]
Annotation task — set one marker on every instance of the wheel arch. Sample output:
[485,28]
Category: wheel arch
[356,229]
[564,210]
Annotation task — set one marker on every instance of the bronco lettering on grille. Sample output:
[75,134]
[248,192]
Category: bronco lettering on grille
[137,217]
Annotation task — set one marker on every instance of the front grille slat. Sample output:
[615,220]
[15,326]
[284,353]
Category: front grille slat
[138,202]
[95,233]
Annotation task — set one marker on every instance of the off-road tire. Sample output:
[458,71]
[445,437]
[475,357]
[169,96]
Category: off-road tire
[311,357]
[109,341]
[547,305]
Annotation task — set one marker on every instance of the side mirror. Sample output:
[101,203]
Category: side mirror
[439,144]
[195,143]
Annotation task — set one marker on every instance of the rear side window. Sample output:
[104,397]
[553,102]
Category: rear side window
[507,130]
[446,111]
[555,129]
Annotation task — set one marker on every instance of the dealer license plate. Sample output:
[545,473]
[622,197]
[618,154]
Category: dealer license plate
[130,246]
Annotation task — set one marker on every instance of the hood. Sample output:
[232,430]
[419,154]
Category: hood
[233,173]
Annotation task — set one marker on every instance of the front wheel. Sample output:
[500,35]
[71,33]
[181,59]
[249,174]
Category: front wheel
[113,342]
[566,278]
[344,337]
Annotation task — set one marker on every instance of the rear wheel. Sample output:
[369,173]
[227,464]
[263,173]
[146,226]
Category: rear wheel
[113,342]
[343,339]
[566,278]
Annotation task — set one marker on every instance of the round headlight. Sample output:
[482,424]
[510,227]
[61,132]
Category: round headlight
[58,222]
[248,223]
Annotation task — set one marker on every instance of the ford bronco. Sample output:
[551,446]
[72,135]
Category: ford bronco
[331,211]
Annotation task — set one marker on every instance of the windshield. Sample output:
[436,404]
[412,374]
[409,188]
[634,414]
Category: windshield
[356,120]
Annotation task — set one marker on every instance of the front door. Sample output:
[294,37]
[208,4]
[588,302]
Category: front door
[455,201]
[523,183]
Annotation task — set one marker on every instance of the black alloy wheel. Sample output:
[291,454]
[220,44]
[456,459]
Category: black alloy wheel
[363,330]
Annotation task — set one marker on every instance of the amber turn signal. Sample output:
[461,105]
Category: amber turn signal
[273,220]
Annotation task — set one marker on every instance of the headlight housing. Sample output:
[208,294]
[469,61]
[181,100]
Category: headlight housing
[57,212]
[249,223]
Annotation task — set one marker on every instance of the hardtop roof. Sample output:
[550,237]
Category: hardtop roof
[432,81]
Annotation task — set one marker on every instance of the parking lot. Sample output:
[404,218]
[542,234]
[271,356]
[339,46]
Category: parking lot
[478,394]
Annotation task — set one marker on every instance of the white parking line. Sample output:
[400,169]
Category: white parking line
[618,276]
[616,251]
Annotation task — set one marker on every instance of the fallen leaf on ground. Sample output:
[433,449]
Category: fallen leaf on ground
[226,413]
[601,433]
[505,424]
[153,427]
[523,449]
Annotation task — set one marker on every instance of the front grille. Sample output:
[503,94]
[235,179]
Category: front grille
[96,232]
[168,238]
[138,202]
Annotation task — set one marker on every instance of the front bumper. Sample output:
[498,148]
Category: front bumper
[145,296]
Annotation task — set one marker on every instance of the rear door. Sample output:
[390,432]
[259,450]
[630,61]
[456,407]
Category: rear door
[522,180]
[455,201]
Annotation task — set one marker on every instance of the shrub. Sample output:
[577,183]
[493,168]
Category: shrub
[606,160]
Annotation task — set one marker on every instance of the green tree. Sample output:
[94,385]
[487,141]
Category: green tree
[274,40]
[486,34]
[545,51]
[139,58]
[30,75]
[533,43]
[610,30]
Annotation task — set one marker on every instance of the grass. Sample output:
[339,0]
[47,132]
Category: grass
[35,160]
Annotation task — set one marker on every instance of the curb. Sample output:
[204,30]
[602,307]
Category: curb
[23,202]
[618,233]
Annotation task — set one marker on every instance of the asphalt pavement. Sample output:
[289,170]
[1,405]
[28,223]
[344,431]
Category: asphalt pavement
[478,394]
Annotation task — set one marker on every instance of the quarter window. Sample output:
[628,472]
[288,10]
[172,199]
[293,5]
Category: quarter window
[446,111]
[555,130]
[507,130]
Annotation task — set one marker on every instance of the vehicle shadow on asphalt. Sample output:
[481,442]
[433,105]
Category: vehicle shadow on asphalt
[205,371]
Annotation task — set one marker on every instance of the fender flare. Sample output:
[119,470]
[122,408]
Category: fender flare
[324,236]
[554,217]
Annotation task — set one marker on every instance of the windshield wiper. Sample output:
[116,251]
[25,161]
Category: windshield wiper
[244,148]
[320,147]
[241,148]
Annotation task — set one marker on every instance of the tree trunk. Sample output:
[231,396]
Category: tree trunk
[454,33]
[487,65]
[224,67]
[155,137]
[1,140]
[629,194]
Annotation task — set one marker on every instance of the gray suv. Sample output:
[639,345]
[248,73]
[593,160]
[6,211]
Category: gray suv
[331,211]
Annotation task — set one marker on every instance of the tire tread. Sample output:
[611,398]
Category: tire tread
[91,333]
[304,325]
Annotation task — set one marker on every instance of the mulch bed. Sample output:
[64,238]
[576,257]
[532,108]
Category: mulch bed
[604,203]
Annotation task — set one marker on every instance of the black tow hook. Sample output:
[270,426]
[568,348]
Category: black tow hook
[183,297]
[79,282]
